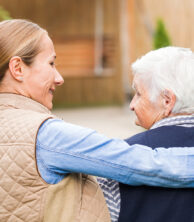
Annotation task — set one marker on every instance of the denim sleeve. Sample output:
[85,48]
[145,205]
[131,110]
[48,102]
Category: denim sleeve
[63,148]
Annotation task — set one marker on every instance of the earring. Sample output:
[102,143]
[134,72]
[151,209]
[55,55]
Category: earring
[20,78]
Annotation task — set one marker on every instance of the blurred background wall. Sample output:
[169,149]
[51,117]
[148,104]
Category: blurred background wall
[177,15]
[97,40]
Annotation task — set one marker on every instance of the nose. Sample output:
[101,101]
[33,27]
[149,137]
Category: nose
[132,104]
[58,79]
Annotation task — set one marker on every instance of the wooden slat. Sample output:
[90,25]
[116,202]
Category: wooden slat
[76,56]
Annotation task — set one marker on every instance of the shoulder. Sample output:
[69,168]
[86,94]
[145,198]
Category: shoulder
[53,130]
[60,126]
[164,136]
[140,138]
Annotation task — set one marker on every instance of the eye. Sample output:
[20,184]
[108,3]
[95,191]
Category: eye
[138,93]
[52,64]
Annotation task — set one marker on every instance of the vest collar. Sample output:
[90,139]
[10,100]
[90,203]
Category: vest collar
[21,102]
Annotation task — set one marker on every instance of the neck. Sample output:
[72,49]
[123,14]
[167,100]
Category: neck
[179,114]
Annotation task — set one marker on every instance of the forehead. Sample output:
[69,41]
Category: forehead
[139,84]
[136,81]
[46,45]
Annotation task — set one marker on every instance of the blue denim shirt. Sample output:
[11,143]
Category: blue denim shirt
[62,148]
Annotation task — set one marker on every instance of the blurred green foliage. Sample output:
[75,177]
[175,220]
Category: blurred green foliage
[4,14]
[161,37]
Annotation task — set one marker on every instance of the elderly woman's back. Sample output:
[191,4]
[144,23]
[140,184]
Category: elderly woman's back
[163,104]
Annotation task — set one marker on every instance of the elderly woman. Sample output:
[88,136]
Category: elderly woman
[164,105]
[41,156]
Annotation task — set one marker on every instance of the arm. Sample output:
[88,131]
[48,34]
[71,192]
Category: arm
[64,148]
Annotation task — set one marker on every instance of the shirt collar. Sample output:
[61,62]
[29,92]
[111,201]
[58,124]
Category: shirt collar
[183,120]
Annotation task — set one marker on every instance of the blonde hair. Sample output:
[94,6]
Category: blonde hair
[21,38]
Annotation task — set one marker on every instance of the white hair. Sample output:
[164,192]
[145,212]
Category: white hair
[169,68]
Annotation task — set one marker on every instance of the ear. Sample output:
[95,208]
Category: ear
[169,99]
[15,67]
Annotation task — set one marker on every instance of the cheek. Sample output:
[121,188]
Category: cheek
[143,112]
[39,85]
[45,79]
[140,106]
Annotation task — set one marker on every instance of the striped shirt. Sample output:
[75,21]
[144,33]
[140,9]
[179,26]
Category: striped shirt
[111,192]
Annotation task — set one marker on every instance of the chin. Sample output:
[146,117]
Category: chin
[48,105]
[137,123]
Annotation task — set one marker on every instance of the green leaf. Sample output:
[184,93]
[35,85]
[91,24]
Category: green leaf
[4,14]
[161,37]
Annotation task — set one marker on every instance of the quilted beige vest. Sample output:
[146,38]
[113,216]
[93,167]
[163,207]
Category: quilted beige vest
[24,196]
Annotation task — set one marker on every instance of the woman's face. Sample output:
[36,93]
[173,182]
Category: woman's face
[42,77]
[147,112]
